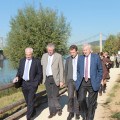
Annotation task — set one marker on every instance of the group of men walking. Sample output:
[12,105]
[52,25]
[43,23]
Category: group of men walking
[82,74]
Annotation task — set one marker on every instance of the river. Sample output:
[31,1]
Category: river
[7,74]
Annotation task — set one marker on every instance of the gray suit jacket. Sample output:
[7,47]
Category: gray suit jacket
[68,70]
[57,67]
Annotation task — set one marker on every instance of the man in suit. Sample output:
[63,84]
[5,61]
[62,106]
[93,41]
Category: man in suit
[52,78]
[30,71]
[89,76]
[70,78]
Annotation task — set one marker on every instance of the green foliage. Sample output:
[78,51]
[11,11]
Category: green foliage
[109,45]
[31,28]
[116,115]
[117,44]
[112,95]
[116,86]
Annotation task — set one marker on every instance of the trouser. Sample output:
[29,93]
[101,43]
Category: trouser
[92,99]
[71,93]
[53,94]
[117,65]
[29,94]
[112,64]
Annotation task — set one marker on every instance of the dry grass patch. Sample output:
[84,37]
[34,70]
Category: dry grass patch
[12,98]
[112,105]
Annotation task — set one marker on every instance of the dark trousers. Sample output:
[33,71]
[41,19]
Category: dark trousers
[112,64]
[29,94]
[53,94]
[117,64]
[71,94]
[92,99]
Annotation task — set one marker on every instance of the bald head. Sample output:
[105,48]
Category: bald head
[29,53]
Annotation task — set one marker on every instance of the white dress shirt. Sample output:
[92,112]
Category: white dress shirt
[49,69]
[30,61]
[89,61]
[74,63]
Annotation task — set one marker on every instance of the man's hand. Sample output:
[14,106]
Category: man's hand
[61,84]
[15,80]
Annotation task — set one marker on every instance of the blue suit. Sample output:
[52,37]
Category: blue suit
[96,71]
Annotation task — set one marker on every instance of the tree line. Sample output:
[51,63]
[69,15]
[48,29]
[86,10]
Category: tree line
[36,28]
[112,44]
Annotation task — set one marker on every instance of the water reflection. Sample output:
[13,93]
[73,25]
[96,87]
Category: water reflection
[6,72]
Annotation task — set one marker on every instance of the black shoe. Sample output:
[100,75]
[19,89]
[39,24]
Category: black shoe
[70,116]
[51,115]
[59,112]
[77,117]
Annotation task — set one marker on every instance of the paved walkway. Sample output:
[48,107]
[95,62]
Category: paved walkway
[43,111]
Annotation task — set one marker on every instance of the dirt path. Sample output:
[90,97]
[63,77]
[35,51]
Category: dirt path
[100,112]
[43,111]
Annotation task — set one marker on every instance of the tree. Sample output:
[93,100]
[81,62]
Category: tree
[117,44]
[31,28]
[109,45]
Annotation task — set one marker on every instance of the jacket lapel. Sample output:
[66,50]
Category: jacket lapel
[23,66]
[54,58]
[71,64]
[32,64]
[91,63]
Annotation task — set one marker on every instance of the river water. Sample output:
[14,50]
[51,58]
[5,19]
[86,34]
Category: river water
[7,74]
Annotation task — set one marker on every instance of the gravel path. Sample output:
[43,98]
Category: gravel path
[43,111]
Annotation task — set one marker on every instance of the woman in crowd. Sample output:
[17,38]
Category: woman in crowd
[106,64]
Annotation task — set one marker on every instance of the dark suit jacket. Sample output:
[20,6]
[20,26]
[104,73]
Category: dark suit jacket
[35,74]
[68,70]
[96,71]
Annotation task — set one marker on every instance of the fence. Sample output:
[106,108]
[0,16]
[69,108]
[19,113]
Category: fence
[20,102]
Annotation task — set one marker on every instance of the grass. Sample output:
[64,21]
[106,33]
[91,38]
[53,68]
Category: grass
[116,86]
[116,115]
[112,95]
[117,103]
[108,100]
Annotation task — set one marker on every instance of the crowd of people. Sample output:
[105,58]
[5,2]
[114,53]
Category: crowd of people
[84,74]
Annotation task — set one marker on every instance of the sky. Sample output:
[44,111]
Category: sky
[87,17]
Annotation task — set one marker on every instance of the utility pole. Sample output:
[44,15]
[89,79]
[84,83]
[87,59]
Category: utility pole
[100,42]
[1,42]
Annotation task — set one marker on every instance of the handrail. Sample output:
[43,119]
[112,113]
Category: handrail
[9,107]
[22,101]
[6,86]
[23,111]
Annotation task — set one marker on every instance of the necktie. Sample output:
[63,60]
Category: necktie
[86,70]
[26,72]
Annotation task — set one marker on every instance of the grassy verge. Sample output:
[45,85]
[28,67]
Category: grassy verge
[14,97]
[112,104]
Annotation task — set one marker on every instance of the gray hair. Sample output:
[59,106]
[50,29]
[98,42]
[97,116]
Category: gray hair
[28,48]
[87,45]
[51,45]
